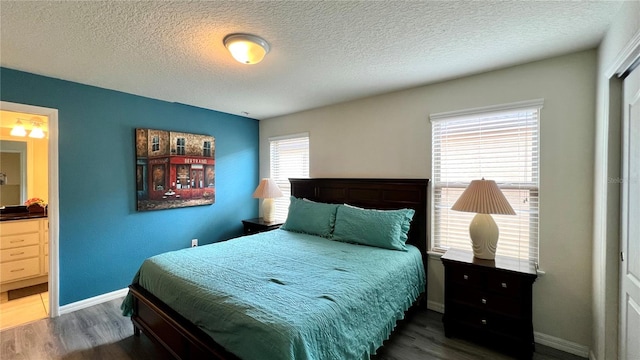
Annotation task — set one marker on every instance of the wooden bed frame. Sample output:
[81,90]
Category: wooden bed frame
[184,340]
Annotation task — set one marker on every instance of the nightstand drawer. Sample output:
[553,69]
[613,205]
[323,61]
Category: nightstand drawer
[258,225]
[506,284]
[468,277]
[486,301]
[503,325]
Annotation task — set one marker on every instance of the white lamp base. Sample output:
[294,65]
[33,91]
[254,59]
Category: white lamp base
[484,236]
[268,210]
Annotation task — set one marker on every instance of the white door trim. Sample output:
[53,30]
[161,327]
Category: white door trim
[628,57]
[628,286]
[54,197]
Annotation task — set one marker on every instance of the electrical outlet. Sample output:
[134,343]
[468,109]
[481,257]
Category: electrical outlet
[194,242]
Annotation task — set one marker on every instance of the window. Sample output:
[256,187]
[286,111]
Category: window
[180,146]
[289,158]
[155,143]
[498,143]
[206,149]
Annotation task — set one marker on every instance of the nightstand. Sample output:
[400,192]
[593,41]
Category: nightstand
[257,225]
[489,301]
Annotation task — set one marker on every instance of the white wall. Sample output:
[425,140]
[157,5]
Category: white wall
[625,29]
[390,136]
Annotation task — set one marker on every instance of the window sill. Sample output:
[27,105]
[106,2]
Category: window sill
[436,255]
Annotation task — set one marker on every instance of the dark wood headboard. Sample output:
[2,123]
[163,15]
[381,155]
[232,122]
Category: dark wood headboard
[385,194]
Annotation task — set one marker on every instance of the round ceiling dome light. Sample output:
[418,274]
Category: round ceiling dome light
[246,48]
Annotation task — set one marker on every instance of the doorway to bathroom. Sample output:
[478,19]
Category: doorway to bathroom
[28,235]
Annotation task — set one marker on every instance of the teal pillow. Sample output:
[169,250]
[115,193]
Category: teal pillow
[310,217]
[386,229]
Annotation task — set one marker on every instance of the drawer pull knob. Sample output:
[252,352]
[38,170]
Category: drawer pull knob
[16,241]
[484,301]
[16,270]
[17,253]
[504,285]
[466,277]
[484,322]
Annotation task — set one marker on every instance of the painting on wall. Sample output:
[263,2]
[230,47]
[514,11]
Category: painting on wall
[174,169]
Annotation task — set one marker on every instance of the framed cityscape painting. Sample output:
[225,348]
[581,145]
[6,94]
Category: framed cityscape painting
[174,169]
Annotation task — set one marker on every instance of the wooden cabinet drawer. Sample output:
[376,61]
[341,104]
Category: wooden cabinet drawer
[258,225]
[19,227]
[489,321]
[46,265]
[506,284]
[19,253]
[486,301]
[15,270]
[13,241]
[466,276]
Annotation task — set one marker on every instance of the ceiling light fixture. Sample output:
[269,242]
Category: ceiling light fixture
[18,129]
[246,48]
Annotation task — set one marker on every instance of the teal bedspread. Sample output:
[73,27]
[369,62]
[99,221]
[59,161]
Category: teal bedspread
[283,295]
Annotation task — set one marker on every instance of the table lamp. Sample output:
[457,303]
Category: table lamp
[484,198]
[267,190]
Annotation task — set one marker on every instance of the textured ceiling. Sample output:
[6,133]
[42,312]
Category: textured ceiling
[321,52]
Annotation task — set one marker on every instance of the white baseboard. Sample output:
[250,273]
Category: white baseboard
[562,345]
[82,304]
[540,338]
[435,306]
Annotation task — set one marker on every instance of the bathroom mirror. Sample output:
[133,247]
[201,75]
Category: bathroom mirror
[13,172]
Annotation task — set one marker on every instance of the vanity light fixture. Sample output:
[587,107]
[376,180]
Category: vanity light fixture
[246,48]
[36,132]
[18,129]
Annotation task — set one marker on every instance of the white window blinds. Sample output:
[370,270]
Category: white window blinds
[289,158]
[498,143]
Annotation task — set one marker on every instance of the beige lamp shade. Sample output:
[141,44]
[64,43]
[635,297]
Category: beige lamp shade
[484,198]
[267,190]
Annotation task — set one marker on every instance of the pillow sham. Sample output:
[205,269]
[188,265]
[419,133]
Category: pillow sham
[309,217]
[386,229]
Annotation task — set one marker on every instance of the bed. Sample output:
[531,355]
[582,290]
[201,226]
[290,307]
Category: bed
[310,297]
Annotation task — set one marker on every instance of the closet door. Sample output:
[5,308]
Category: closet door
[630,242]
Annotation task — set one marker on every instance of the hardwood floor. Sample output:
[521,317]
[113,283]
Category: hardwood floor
[101,332]
[23,310]
[422,337]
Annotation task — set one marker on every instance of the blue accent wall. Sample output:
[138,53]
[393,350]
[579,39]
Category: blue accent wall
[103,239]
